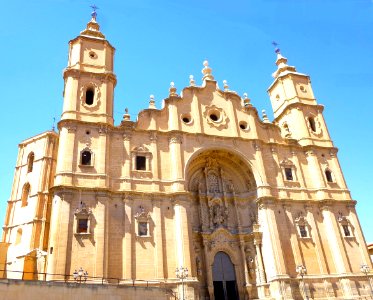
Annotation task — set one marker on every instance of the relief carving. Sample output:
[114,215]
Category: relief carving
[218,213]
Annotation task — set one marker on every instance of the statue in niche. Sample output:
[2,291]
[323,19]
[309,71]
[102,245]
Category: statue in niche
[253,218]
[218,215]
[199,266]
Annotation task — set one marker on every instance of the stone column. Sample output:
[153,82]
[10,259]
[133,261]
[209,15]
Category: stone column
[103,168]
[293,234]
[246,270]
[209,261]
[315,175]
[310,211]
[158,238]
[258,250]
[176,166]
[274,255]
[129,232]
[268,210]
[315,235]
[100,234]
[66,155]
[182,234]
[263,188]
[154,166]
[126,169]
[365,258]
[59,233]
[331,228]
[260,272]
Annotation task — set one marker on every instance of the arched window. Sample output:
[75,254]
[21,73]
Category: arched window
[18,236]
[30,162]
[25,194]
[328,175]
[86,158]
[89,96]
[312,123]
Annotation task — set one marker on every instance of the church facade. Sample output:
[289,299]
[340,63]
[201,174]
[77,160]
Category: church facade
[253,209]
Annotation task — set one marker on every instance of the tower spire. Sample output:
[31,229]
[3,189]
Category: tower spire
[93,28]
[281,62]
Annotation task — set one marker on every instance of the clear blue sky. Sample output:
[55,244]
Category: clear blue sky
[162,41]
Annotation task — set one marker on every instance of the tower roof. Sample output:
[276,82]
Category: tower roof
[93,28]
[282,66]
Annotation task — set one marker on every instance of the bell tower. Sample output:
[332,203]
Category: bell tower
[294,106]
[89,83]
[89,77]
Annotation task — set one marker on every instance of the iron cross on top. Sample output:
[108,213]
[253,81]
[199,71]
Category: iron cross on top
[94,13]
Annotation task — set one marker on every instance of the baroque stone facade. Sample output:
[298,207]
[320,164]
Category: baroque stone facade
[203,183]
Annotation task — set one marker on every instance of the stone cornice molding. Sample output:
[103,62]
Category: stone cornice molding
[298,105]
[76,73]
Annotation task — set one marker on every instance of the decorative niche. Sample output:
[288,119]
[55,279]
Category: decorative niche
[142,221]
[83,217]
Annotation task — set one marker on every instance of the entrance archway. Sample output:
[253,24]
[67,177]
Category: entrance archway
[224,278]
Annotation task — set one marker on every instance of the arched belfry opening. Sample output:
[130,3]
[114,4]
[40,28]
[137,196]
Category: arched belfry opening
[224,221]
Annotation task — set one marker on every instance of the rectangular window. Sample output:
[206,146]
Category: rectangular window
[82,226]
[143,228]
[303,231]
[346,230]
[288,174]
[141,163]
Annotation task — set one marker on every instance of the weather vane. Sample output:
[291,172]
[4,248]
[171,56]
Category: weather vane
[277,49]
[94,13]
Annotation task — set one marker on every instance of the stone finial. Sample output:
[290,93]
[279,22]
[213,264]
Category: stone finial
[246,100]
[206,71]
[126,116]
[191,80]
[172,89]
[265,117]
[226,86]
[152,102]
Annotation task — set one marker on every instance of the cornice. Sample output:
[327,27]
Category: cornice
[38,137]
[110,76]
[320,107]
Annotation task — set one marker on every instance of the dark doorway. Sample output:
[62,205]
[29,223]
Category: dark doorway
[225,287]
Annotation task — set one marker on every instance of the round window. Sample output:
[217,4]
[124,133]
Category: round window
[215,116]
[186,118]
[243,125]
[92,55]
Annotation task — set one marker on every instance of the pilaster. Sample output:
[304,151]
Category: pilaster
[59,235]
[158,238]
[128,239]
[176,166]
